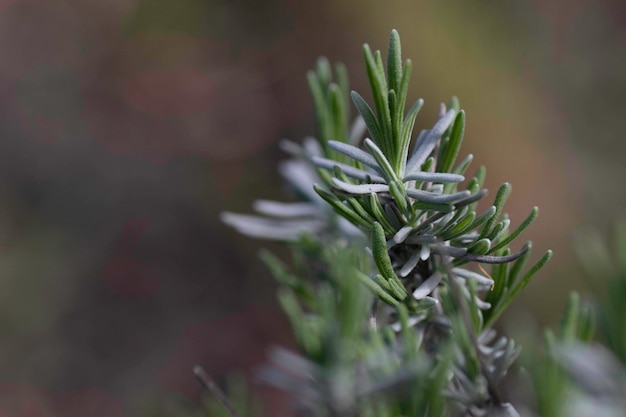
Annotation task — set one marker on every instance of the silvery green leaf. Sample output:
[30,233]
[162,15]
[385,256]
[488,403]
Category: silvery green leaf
[487,350]
[429,197]
[502,361]
[402,234]
[277,209]
[420,153]
[309,147]
[301,176]
[405,133]
[466,274]
[355,153]
[471,199]
[274,229]
[393,216]
[357,131]
[483,305]
[450,250]
[352,172]
[420,138]
[487,336]
[383,163]
[489,259]
[435,188]
[443,223]
[433,177]
[427,286]
[427,303]
[428,222]
[424,252]
[410,265]
[502,410]
[312,147]
[421,239]
[359,189]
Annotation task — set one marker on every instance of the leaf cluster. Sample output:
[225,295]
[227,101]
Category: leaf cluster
[387,294]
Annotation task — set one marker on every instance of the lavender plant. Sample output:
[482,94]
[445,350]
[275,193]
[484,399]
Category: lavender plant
[397,278]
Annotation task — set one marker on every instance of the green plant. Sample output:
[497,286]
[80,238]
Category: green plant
[396,279]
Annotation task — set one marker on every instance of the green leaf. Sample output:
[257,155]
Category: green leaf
[344,86]
[379,250]
[355,153]
[376,76]
[476,316]
[408,336]
[282,275]
[381,159]
[464,164]
[527,222]
[377,290]
[498,274]
[292,309]
[403,88]
[517,267]
[339,112]
[324,119]
[503,193]
[405,134]
[379,213]
[451,150]
[477,222]
[519,286]
[461,227]
[398,193]
[454,104]
[424,148]
[394,61]
[499,229]
[586,327]
[480,247]
[322,67]
[360,209]
[569,322]
[368,116]
[341,208]
[397,289]
[426,206]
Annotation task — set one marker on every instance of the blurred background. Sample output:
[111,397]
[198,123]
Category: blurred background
[127,126]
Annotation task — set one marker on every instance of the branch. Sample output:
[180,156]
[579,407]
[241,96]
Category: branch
[210,385]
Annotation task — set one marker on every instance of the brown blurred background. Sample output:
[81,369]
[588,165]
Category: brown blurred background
[126,126]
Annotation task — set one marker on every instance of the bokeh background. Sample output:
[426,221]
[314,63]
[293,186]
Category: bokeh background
[127,126]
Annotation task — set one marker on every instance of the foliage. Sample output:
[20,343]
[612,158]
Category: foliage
[397,278]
